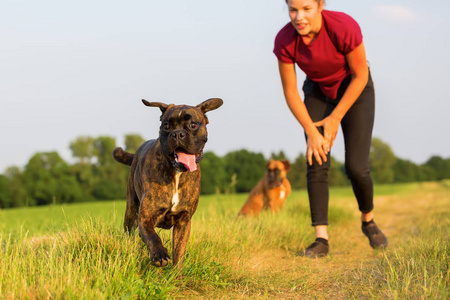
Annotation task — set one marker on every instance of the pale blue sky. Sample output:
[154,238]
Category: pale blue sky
[76,68]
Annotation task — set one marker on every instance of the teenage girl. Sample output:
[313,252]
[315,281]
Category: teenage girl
[328,47]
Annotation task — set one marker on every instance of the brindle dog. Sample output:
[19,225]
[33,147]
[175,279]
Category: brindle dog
[164,179]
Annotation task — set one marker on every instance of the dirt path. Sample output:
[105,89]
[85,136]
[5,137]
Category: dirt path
[343,273]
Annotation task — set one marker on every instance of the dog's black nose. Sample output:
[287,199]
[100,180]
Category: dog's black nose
[178,134]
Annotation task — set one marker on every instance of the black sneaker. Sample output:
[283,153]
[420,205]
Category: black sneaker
[376,238]
[319,248]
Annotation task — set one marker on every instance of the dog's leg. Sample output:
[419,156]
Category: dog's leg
[272,200]
[253,206]
[131,212]
[274,206]
[147,222]
[181,232]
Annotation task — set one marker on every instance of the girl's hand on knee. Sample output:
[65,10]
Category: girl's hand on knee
[316,146]
[330,129]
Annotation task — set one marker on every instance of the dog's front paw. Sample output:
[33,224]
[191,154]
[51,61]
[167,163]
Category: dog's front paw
[160,258]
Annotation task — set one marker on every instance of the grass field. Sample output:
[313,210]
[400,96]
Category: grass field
[79,251]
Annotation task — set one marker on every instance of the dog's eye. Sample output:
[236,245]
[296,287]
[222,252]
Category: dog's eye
[166,126]
[193,125]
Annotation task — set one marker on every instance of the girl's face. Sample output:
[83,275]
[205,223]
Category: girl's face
[306,16]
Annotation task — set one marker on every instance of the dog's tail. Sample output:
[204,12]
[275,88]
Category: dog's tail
[123,156]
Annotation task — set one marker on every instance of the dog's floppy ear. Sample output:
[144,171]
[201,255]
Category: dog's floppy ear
[162,106]
[210,104]
[286,164]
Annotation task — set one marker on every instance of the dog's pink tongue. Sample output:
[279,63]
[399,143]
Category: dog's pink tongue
[188,160]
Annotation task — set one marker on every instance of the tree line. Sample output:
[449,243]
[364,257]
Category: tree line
[95,175]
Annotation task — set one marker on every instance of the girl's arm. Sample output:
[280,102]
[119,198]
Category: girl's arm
[316,144]
[356,60]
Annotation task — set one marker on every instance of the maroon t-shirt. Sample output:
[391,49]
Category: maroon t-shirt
[323,60]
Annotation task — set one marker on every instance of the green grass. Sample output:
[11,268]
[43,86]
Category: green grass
[43,220]
[79,251]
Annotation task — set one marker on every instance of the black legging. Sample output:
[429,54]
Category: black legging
[356,127]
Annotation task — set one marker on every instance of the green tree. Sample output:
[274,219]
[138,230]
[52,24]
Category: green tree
[16,186]
[213,177]
[382,161]
[133,142]
[110,176]
[5,192]
[336,174]
[440,167]
[83,149]
[107,189]
[247,167]
[278,156]
[297,173]
[84,174]
[48,180]
[406,171]
[426,173]
[103,149]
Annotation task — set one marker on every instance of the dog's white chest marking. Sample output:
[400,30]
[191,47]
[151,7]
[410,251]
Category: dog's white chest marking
[176,197]
[282,192]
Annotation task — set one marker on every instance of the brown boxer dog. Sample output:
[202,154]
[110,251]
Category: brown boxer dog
[271,191]
[164,180]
